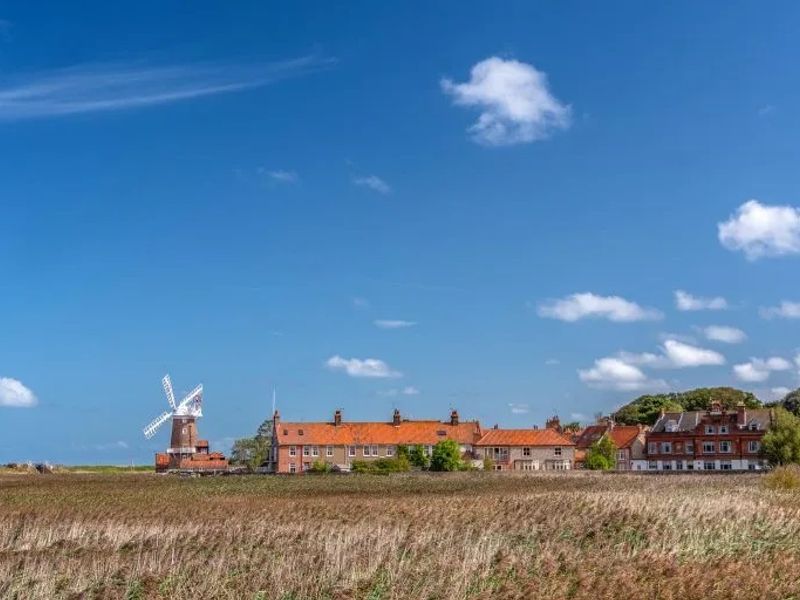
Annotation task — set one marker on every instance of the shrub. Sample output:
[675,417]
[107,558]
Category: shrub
[382,466]
[601,455]
[320,466]
[783,478]
[446,456]
[488,464]
[418,457]
[781,444]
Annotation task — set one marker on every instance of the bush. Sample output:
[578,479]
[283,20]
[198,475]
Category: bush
[418,457]
[601,455]
[382,466]
[783,478]
[320,466]
[781,444]
[488,464]
[446,456]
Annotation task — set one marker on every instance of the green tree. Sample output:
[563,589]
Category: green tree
[446,456]
[402,452]
[781,444]
[646,409]
[252,452]
[601,455]
[790,402]
[418,457]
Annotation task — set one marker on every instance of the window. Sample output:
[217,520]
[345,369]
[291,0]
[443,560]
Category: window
[365,450]
[292,450]
[753,446]
[689,447]
[726,465]
[526,452]
[666,447]
[428,450]
[753,426]
[679,465]
[725,446]
[709,430]
[285,432]
[708,447]
[292,468]
[306,450]
[374,451]
[329,451]
[351,451]
[621,455]
[389,450]
[689,466]
[314,450]
[652,448]
[652,465]
[668,466]
[557,451]
[751,467]
[299,432]
[723,429]
[498,453]
[709,466]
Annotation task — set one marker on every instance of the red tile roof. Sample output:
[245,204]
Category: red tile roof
[356,434]
[524,437]
[622,435]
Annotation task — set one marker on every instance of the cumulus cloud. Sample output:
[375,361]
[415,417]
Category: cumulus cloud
[587,305]
[615,373]
[356,367]
[683,355]
[374,183]
[111,87]
[685,301]
[393,323]
[515,102]
[758,369]
[760,230]
[14,394]
[721,333]
[518,409]
[785,310]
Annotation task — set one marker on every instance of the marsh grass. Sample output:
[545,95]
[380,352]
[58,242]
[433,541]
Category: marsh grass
[415,536]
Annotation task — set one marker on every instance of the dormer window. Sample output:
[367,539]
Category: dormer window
[753,426]
[709,430]
[441,432]
[723,429]
[299,432]
[285,432]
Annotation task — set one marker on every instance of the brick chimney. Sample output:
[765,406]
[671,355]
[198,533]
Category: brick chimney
[276,417]
[396,417]
[454,417]
[741,414]
[337,417]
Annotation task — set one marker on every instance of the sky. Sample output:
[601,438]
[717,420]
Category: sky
[515,211]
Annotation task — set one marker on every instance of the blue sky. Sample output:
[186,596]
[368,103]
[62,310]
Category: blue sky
[378,205]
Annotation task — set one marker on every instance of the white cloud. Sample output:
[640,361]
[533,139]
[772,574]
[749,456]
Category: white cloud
[721,333]
[515,101]
[14,393]
[760,230]
[685,301]
[683,355]
[110,87]
[356,367]
[786,310]
[374,183]
[777,393]
[283,176]
[518,409]
[615,373]
[409,390]
[759,369]
[586,305]
[393,323]
[550,362]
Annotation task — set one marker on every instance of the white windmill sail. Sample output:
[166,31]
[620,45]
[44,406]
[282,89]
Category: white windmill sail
[151,429]
[190,406]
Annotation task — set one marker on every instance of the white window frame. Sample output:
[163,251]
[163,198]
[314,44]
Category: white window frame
[652,448]
[710,430]
[712,445]
[328,450]
[722,447]
[526,451]
[292,468]
[688,448]
[666,447]
[389,450]
[352,451]
[364,450]
[557,451]
[292,450]
[306,451]
[723,429]
[753,446]
[314,450]
[621,455]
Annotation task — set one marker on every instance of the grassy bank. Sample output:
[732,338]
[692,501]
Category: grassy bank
[412,536]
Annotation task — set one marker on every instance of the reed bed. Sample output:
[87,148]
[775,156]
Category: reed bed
[417,536]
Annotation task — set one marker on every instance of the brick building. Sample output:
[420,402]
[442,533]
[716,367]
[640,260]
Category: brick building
[712,440]
[298,445]
[629,441]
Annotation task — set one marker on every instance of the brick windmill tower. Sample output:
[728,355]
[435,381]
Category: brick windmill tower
[185,450]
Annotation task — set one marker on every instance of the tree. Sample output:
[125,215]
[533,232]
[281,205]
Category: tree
[253,452]
[790,402]
[601,455]
[402,452]
[446,456]
[646,409]
[418,457]
[781,444]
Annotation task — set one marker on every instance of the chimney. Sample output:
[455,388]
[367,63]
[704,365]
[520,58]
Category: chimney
[276,417]
[741,414]
[496,426]
[454,417]
[716,407]
[337,417]
[396,418]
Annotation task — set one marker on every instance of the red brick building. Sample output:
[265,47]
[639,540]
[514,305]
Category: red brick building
[712,440]
[629,441]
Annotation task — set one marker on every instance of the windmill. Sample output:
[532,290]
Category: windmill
[184,414]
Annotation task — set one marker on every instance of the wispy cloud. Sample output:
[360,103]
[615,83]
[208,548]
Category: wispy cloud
[409,390]
[13,393]
[588,305]
[374,183]
[785,310]
[367,367]
[92,88]
[722,333]
[281,176]
[393,323]
[685,301]
[518,408]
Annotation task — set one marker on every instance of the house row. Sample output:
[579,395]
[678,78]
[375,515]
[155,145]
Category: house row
[296,446]
[713,440]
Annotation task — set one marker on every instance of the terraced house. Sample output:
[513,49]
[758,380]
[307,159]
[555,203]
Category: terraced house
[712,440]
[297,446]
[527,449]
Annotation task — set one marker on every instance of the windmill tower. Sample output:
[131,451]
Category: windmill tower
[184,415]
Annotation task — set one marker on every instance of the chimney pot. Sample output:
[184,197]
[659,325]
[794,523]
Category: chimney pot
[396,418]
[454,417]
[337,417]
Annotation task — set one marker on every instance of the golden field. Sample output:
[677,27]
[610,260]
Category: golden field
[416,536]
